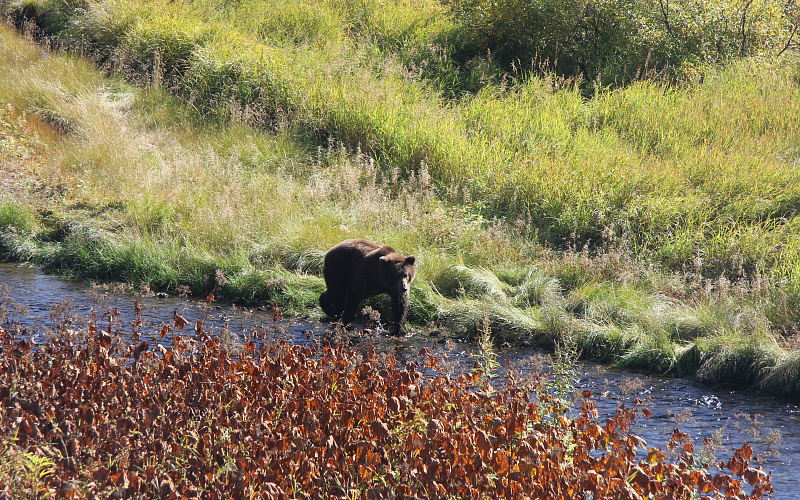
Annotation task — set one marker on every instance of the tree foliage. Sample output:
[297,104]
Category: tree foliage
[614,41]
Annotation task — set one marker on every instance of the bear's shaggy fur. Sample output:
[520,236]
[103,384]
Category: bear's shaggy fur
[357,269]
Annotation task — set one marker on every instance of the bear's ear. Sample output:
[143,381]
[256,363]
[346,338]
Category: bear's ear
[410,260]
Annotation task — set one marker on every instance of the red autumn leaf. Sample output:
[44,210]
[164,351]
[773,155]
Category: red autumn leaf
[120,480]
[140,349]
[166,487]
[483,444]
[500,463]
[101,474]
[526,450]
[379,429]
[180,321]
[746,451]
[736,465]
[105,340]
[640,479]
[755,476]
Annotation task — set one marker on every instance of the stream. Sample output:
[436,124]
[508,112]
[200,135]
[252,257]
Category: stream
[38,302]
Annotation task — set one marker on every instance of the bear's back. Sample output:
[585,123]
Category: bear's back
[350,251]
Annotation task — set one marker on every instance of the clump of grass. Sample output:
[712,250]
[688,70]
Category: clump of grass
[461,281]
[294,293]
[465,318]
[687,359]
[536,288]
[605,342]
[654,350]
[25,471]
[17,228]
[14,215]
[784,376]
[737,358]
[300,260]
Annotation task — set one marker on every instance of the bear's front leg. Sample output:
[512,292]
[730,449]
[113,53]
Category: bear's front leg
[350,305]
[399,312]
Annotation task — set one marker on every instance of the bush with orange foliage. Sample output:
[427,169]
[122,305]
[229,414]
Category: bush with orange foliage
[282,421]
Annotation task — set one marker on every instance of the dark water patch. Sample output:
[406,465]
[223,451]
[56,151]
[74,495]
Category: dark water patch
[715,419]
[38,303]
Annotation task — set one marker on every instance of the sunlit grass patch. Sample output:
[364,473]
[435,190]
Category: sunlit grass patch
[17,230]
[16,216]
[295,293]
[465,317]
[654,351]
[460,281]
[534,287]
[736,358]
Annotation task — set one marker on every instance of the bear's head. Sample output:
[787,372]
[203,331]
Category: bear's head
[397,272]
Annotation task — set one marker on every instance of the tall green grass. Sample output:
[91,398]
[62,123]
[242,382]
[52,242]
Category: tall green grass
[702,169]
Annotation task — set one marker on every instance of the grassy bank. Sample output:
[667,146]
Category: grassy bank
[674,171]
[652,225]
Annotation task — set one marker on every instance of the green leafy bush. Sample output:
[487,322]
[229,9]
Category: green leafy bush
[614,41]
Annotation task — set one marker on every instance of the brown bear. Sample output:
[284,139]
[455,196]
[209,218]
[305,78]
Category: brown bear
[357,269]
